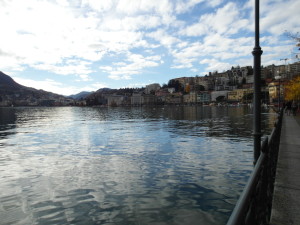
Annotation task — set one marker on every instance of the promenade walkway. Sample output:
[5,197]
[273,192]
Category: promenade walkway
[286,200]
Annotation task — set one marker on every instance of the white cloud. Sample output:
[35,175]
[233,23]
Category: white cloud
[184,58]
[218,44]
[135,64]
[184,6]
[164,38]
[135,85]
[71,67]
[276,16]
[100,6]
[122,75]
[214,65]
[273,54]
[85,77]
[43,33]
[226,20]
[47,84]
[279,16]
[64,3]
[9,61]
[106,68]
[96,86]
[214,3]
[183,63]
[43,41]
[126,38]
[215,46]
[58,87]
[161,7]
[130,23]
[122,13]
[194,70]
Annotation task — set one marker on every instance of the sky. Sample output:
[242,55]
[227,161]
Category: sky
[69,46]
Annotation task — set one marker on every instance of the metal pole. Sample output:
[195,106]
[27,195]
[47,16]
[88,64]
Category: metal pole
[257,104]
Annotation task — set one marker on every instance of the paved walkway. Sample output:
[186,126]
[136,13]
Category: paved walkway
[286,200]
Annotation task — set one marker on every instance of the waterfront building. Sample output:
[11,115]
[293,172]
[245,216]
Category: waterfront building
[102,99]
[171,90]
[218,96]
[181,80]
[284,71]
[240,95]
[163,92]
[276,91]
[190,98]
[250,79]
[204,97]
[247,86]
[233,96]
[175,98]
[267,72]
[151,88]
[281,71]
[206,82]
[293,69]
[115,100]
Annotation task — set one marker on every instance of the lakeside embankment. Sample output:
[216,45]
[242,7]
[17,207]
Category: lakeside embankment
[286,199]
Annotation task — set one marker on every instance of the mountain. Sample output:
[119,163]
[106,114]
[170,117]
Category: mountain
[12,93]
[7,83]
[80,95]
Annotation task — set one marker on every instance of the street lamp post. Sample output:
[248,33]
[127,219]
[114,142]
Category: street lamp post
[257,52]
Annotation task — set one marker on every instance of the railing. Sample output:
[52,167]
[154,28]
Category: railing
[255,203]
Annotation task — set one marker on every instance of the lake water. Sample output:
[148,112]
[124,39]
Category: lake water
[168,165]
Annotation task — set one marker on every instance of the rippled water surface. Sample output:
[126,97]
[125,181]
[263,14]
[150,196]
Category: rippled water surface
[171,165]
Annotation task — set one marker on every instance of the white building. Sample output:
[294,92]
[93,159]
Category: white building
[152,88]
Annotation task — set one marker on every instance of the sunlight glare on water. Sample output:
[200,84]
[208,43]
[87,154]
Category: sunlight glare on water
[166,165]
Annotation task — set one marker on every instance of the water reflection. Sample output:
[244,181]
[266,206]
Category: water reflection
[7,122]
[182,165]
